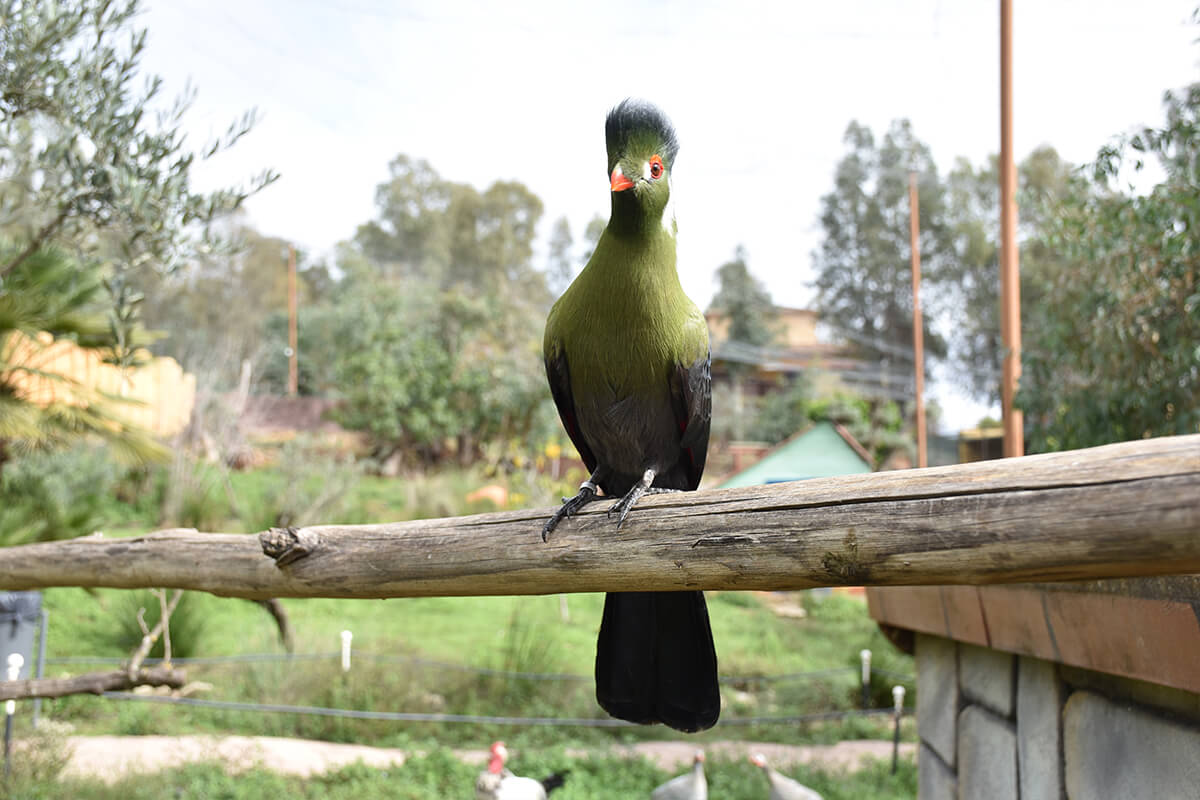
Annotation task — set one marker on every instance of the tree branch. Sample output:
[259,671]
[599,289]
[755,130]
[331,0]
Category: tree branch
[151,636]
[37,241]
[1123,510]
[92,683]
[280,615]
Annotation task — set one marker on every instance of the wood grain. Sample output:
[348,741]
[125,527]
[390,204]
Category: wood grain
[1122,510]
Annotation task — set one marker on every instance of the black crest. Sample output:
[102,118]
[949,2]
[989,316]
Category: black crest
[635,118]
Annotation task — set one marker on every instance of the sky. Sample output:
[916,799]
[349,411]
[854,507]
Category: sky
[760,94]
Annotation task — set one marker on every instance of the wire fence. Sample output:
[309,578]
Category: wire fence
[414,716]
[344,655]
[334,655]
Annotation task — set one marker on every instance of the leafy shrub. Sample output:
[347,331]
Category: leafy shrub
[56,495]
[309,485]
[186,625]
[37,761]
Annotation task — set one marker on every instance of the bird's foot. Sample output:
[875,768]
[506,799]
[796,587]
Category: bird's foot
[570,506]
[623,506]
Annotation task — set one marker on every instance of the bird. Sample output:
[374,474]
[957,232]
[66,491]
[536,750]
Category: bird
[690,785]
[783,787]
[628,362]
[498,783]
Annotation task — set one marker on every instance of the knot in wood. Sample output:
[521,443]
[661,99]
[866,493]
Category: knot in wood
[287,545]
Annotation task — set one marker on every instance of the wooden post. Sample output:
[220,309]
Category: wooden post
[1010,282]
[293,338]
[918,325]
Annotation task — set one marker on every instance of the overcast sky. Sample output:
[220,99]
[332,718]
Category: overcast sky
[760,94]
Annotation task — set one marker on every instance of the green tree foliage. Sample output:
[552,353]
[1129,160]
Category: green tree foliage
[863,280]
[432,337]
[798,404]
[745,301]
[452,235]
[1112,350]
[211,311]
[45,298]
[560,267]
[55,495]
[970,281]
[94,185]
[421,373]
[83,165]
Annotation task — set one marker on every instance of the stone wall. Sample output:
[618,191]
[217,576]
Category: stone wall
[996,725]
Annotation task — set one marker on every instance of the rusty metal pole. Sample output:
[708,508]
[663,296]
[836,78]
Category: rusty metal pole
[293,366]
[918,325]
[1010,283]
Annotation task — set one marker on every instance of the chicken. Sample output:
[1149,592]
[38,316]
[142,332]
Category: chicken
[783,787]
[498,783]
[689,786]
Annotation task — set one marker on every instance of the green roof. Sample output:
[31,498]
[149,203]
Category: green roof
[819,452]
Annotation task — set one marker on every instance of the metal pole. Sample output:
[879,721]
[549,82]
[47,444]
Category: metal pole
[293,339]
[15,662]
[40,669]
[918,325]
[1010,283]
[865,657]
[897,713]
[346,637]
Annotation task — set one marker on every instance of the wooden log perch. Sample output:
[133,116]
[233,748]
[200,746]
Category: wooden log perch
[92,683]
[1123,510]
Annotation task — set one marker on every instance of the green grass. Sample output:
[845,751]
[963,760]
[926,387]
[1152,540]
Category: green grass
[439,774]
[510,633]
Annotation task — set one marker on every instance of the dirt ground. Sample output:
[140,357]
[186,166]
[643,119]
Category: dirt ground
[108,757]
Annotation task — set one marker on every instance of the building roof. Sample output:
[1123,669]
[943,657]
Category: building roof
[822,451]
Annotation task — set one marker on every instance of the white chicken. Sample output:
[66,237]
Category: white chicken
[691,785]
[498,783]
[783,787]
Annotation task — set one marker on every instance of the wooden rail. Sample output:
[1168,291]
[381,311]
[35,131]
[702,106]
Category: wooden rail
[1121,510]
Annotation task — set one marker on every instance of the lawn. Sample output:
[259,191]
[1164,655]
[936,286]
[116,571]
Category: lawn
[409,655]
[424,655]
[439,774]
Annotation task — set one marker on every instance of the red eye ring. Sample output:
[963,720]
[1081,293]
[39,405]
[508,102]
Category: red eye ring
[656,167]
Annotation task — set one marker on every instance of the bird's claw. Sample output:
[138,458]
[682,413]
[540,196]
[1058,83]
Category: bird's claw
[569,507]
[621,506]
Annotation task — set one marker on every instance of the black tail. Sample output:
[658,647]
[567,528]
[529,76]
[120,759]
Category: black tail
[655,660]
[554,781]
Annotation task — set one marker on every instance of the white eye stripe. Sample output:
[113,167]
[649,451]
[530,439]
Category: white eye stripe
[668,217]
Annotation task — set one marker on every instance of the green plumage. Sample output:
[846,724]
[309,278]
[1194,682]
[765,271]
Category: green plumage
[627,357]
[626,321]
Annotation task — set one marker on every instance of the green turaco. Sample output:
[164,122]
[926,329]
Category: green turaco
[627,357]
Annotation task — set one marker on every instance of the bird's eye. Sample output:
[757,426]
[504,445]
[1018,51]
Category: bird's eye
[656,167]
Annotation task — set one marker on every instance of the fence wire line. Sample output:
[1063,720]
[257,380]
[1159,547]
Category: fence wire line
[392,658]
[415,716]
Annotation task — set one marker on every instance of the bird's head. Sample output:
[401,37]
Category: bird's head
[698,758]
[759,760]
[499,755]
[641,153]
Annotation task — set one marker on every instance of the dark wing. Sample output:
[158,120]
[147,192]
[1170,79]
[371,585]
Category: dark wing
[560,389]
[691,396]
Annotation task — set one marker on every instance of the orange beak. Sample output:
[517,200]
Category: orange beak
[619,182]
